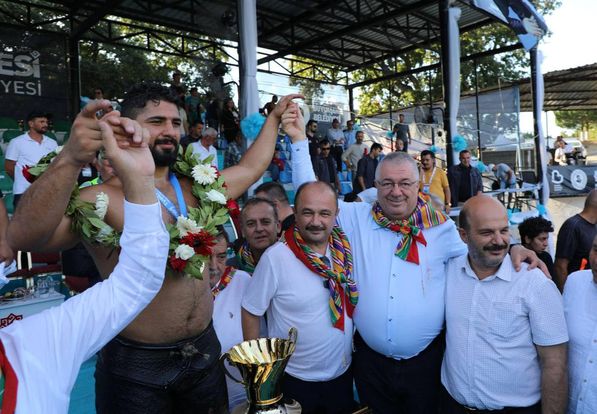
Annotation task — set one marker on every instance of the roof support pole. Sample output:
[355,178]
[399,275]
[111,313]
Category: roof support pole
[537,99]
[444,19]
[74,75]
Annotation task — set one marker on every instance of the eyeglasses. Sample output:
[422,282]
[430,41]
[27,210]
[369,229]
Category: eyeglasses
[387,185]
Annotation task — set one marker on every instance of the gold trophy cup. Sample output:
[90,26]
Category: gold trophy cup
[261,363]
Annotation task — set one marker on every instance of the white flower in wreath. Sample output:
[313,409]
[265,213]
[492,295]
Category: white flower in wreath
[184,252]
[58,149]
[216,196]
[204,174]
[105,234]
[186,226]
[101,204]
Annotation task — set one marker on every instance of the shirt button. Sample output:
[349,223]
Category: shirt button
[391,297]
[390,319]
[590,361]
[394,274]
[584,380]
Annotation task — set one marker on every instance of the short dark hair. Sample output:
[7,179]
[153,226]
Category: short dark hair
[309,184]
[375,146]
[324,141]
[255,201]
[98,89]
[139,94]
[463,219]
[197,122]
[36,114]
[534,226]
[427,152]
[464,151]
[221,232]
[311,121]
[274,190]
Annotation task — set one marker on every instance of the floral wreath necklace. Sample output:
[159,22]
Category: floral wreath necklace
[193,234]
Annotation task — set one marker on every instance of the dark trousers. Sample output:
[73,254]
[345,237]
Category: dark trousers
[325,397]
[449,405]
[337,151]
[181,378]
[408,386]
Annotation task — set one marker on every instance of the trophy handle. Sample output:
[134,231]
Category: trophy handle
[228,374]
[292,335]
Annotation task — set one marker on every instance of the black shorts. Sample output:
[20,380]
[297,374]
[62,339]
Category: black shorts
[184,377]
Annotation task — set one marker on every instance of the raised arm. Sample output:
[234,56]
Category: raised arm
[294,126]
[259,155]
[39,222]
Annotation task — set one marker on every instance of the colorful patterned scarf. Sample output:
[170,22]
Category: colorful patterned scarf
[424,217]
[246,259]
[224,281]
[338,281]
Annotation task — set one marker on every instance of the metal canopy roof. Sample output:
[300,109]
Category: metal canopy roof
[565,90]
[348,34]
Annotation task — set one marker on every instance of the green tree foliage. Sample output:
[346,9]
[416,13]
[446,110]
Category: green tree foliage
[583,122]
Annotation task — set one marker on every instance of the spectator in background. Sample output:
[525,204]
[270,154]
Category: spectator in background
[184,122]
[205,147]
[26,150]
[560,153]
[230,120]
[575,239]
[275,193]
[212,114]
[336,137]
[312,138]
[234,151]
[504,174]
[98,93]
[194,135]
[434,181]
[534,235]
[267,108]
[349,134]
[366,169]
[329,164]
[191,104]
[176,81]
[354,153]
[465,180]
[402,132]
[276,165]
[400,146]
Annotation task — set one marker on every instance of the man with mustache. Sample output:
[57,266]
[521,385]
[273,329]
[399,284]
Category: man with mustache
[166,360]
[400,245]
[205,147]
[506,338]
[305,282]
[260,226]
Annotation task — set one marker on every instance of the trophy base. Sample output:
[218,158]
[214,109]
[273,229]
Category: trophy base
[291,407]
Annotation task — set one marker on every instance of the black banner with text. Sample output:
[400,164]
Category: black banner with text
[571,180]
[33,73]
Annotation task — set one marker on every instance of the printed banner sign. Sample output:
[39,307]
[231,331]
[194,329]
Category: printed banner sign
[33,73]
[571,180]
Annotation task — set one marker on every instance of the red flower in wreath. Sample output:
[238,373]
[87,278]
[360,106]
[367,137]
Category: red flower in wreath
[202,242]
[177,264]
[233,208]
[28,176]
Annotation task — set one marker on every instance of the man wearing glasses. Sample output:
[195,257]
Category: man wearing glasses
[400,245]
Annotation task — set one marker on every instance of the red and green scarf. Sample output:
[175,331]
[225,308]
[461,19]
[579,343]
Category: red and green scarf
[224,281]
[246,259]
[424,217]
[343,290]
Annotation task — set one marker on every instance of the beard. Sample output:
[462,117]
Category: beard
[165,158]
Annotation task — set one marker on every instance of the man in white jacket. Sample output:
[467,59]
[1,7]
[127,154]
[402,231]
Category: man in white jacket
[40,356]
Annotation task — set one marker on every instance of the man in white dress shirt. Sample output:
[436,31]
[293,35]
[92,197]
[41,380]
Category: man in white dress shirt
[26,150]
[205,146]
[580,307]
[400,245]
[40,356]
[296,282]
[505,330]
